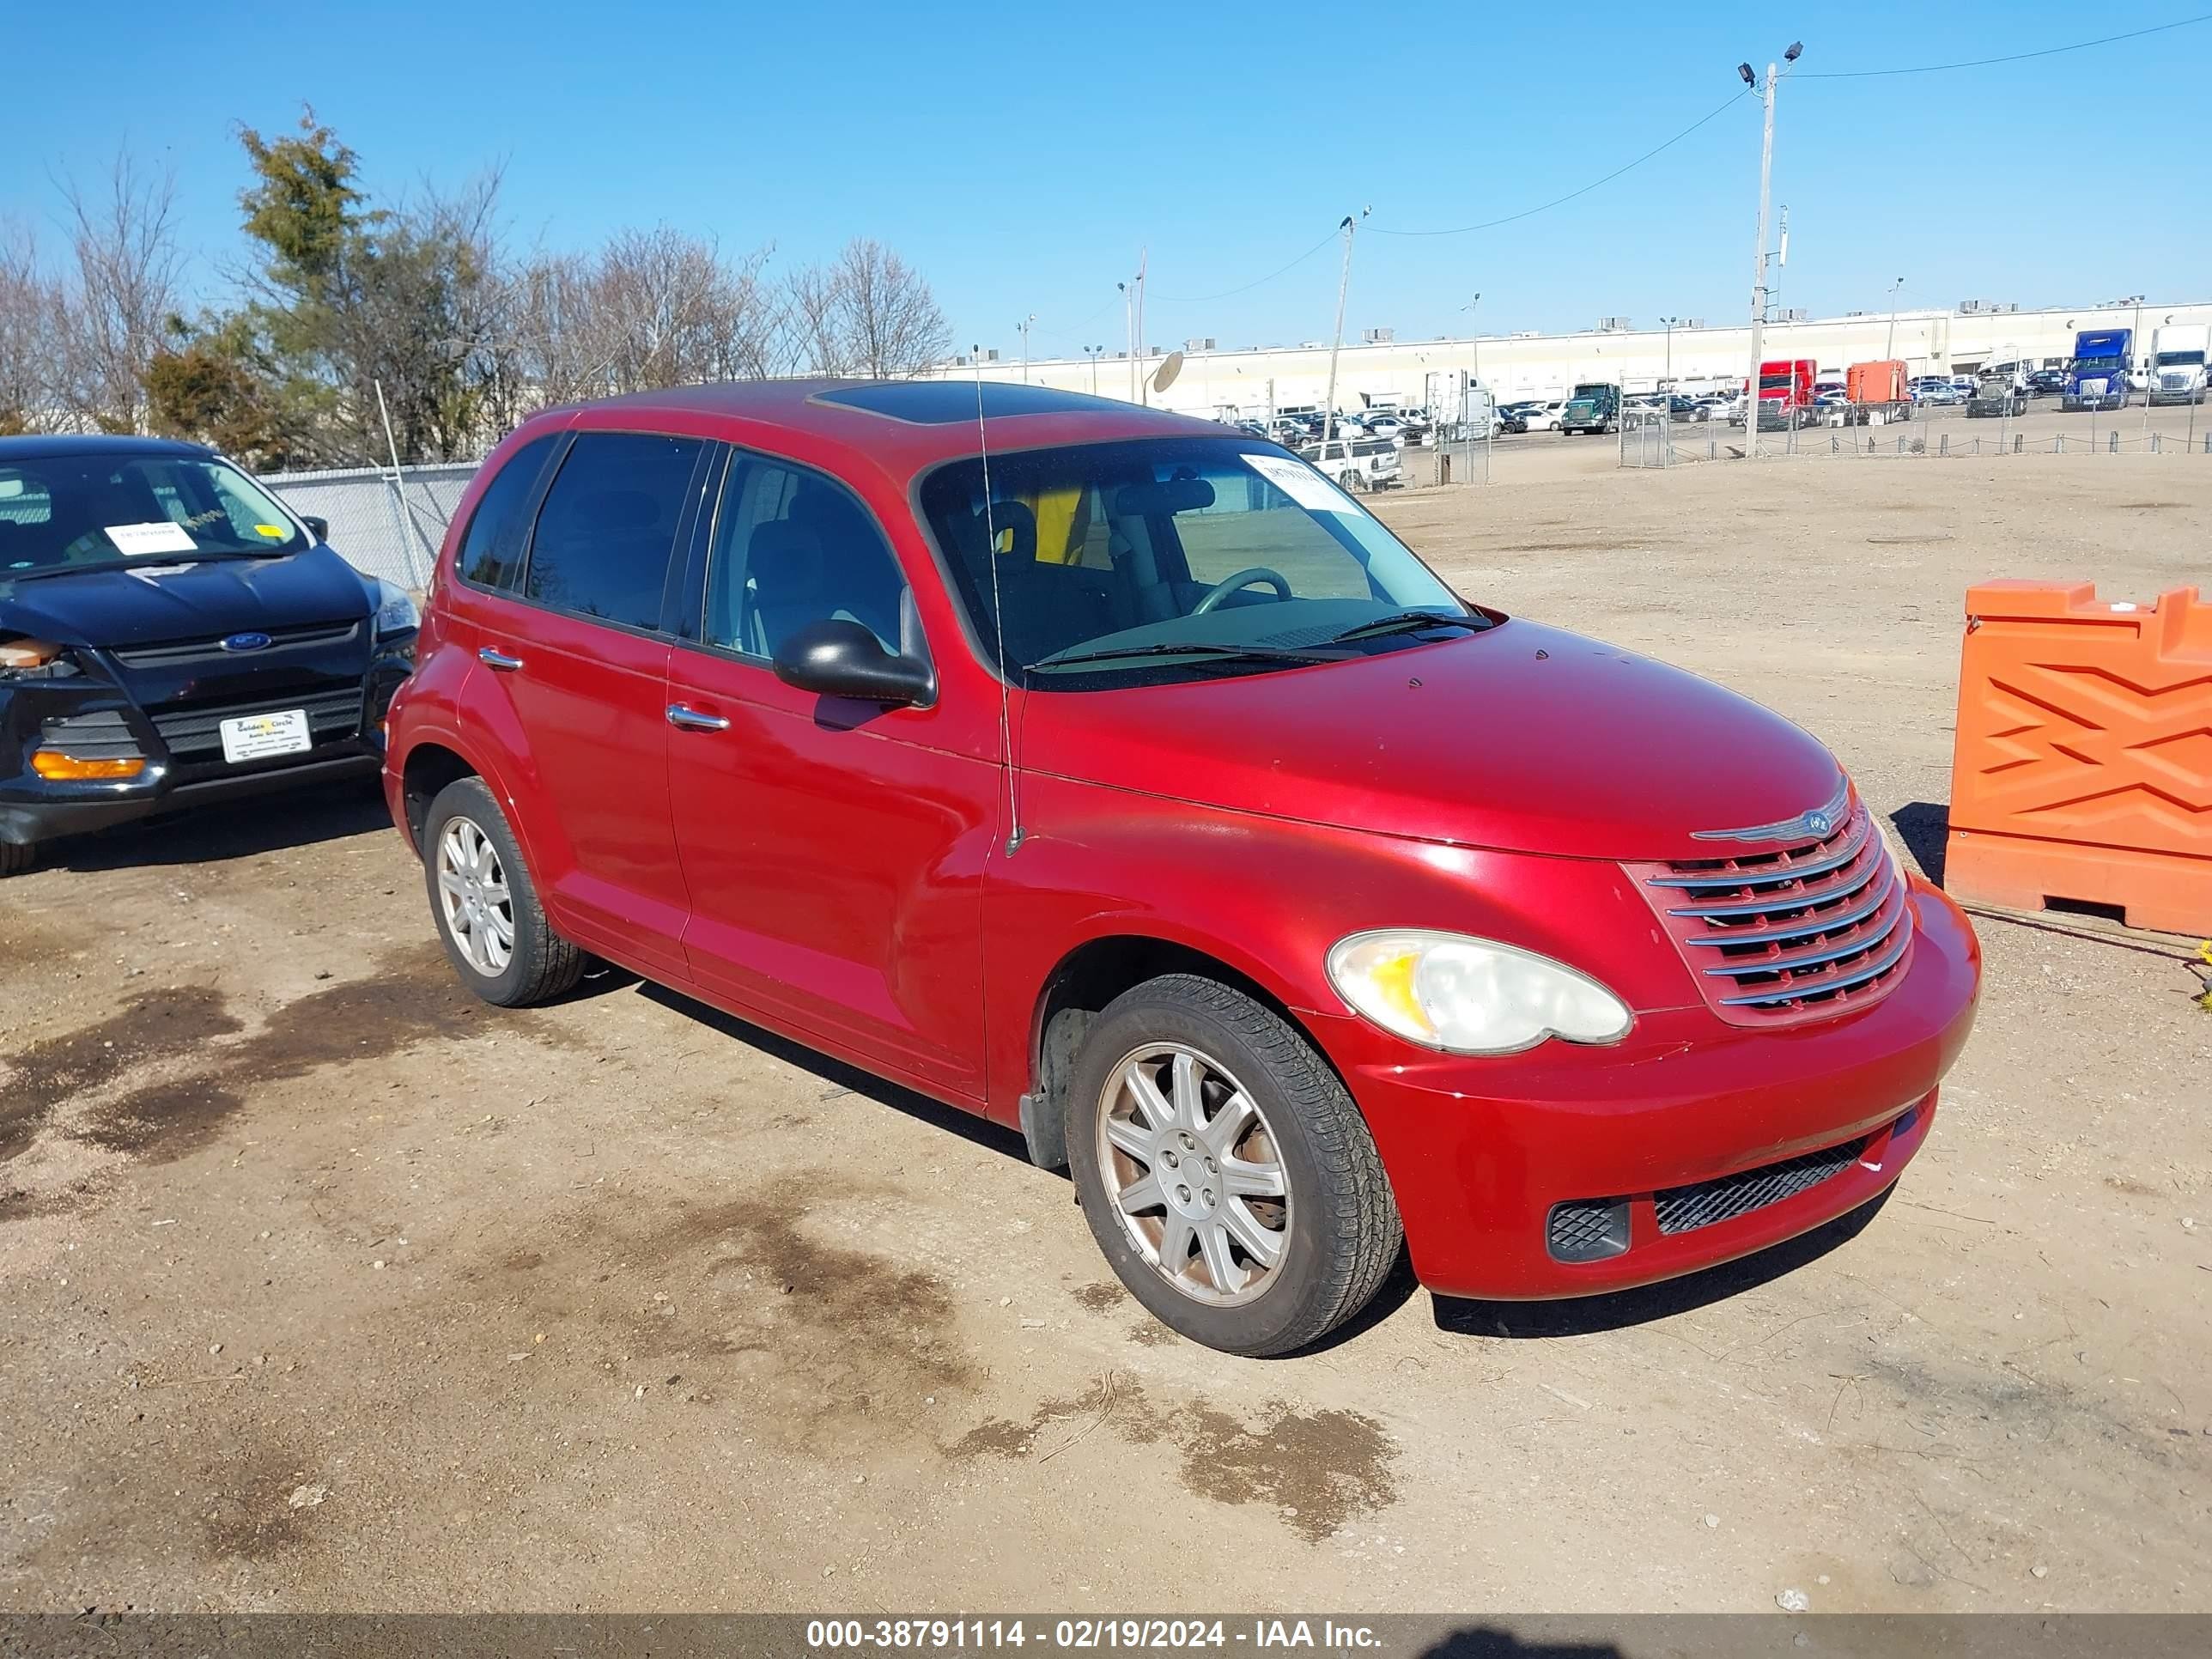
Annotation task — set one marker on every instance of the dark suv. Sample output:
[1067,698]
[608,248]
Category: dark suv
[171,633]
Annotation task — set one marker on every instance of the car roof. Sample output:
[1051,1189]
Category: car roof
[48,445]
[900,427]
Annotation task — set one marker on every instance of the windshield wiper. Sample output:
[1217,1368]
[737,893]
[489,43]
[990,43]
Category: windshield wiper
[142,561]
[1205,648]
[1407,621]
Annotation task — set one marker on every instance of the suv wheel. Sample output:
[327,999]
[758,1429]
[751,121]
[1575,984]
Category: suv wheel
[1226,1172]
[486,905]
[15,857]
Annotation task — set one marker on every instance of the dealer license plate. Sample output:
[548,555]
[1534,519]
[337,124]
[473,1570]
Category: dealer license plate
[257,737]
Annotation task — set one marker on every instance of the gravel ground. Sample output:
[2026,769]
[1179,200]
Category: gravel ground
[323,1287]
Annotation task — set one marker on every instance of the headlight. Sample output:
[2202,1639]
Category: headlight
[27,653]
[395,612]
[1471,996]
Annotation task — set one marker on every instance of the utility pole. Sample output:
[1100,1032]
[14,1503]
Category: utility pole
[1889,349]
[1143,387]
[1336,342]
[1670,322]
[1130,333]
[1025,326]
[1758,261]
[1474,331]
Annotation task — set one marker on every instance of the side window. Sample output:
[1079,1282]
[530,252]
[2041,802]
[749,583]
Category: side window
[603,537]
[491,552]
[792,547]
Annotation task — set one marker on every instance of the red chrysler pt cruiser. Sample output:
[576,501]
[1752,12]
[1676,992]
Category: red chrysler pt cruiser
[1123,781]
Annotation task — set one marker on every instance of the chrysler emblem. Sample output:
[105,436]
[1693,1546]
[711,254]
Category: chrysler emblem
[1816,824]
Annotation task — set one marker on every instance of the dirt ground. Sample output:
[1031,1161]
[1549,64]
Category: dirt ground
[322,1286]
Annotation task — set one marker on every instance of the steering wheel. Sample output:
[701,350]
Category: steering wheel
[1243,579]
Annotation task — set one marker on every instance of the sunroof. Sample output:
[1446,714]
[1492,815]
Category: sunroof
[941,403]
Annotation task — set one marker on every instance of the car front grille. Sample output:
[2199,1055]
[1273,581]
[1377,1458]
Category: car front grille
[1815,929]
[171,652]
[1587,1229]
[1686,1209]
[197,733]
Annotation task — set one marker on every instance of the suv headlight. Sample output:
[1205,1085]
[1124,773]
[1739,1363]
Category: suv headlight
[395,612]
[1471,996]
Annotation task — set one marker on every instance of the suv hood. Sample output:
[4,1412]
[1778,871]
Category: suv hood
[142,603]
[1523,738]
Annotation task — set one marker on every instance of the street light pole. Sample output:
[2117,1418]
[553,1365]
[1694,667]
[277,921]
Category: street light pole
[1670,322]
[1026,326]
[1758,261]
[1889,350]
[1474,336]
[1336,342]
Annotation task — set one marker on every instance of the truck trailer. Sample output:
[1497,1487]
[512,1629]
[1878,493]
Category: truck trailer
[2097,378]
[2176,363]
[1874,394]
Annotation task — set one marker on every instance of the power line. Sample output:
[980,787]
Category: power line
[1199,298]
[1559,201]
[2015,58]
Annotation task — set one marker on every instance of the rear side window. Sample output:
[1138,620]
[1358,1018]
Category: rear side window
[491,552]
[603,537]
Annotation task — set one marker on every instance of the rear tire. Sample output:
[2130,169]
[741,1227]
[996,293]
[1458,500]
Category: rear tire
[485,903]
[1259,1142]
[15,857]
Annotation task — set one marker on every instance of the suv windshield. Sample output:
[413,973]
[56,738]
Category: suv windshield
[1172,558]
[66,513]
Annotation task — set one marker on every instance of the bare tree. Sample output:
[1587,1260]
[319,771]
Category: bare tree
[651,309]
[119,297]
[30,310]
[887,321]
[812,342]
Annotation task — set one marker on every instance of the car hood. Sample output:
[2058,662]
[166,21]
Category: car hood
[1523,738]
[145,603]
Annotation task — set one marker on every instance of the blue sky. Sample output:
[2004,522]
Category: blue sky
[1021,155]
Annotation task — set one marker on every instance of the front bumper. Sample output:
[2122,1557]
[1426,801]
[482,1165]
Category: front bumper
[35,809]
[1479,1152]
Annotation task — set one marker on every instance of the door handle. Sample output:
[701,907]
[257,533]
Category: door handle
[686,719]
[499,659]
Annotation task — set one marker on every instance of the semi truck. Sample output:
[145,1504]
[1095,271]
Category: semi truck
[2176,363]
[1874,394]
[1595,407]
[1785,391]
[2097,377]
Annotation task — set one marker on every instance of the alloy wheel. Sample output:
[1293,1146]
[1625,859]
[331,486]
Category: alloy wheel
[1194,1173]
[473,897]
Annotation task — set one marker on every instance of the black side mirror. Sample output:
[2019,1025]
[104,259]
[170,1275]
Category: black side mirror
[319,528]
[839,658]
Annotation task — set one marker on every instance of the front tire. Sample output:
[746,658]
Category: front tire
[485,903]
[1224,1170]
[15,857]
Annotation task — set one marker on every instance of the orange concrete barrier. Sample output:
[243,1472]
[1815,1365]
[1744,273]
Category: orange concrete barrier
[2083,764]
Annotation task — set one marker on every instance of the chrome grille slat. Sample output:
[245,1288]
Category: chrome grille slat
[165,653]
[1827,924]
[1796,901]
[1797,989]
[1819,928]
[1778,872]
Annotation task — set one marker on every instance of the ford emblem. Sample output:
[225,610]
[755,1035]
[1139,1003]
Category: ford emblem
[246,643]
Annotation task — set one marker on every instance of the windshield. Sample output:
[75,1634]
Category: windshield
[1162,545]
[88,510]
[2179,359]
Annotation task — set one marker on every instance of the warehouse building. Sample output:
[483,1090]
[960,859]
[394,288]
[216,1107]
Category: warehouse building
[1379,369]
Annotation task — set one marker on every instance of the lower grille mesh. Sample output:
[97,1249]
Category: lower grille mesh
[1685,1209]
[1587,1229]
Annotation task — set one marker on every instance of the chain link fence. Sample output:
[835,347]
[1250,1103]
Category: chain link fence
[384,522]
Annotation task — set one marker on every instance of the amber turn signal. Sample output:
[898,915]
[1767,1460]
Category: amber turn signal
[27,653]
[59,768]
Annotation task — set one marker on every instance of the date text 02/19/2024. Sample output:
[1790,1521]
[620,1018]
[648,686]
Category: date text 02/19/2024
[840,1635]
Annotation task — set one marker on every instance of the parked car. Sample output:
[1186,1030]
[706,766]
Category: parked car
[1936,392]
[2046,382]
[171,634]
[1270,925]
[1545,416]
[1515,421]
[1356,464]
[1716,408]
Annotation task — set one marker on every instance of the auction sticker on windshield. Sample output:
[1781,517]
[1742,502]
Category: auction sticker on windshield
[257,737]
[1301,483]
[160,537]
